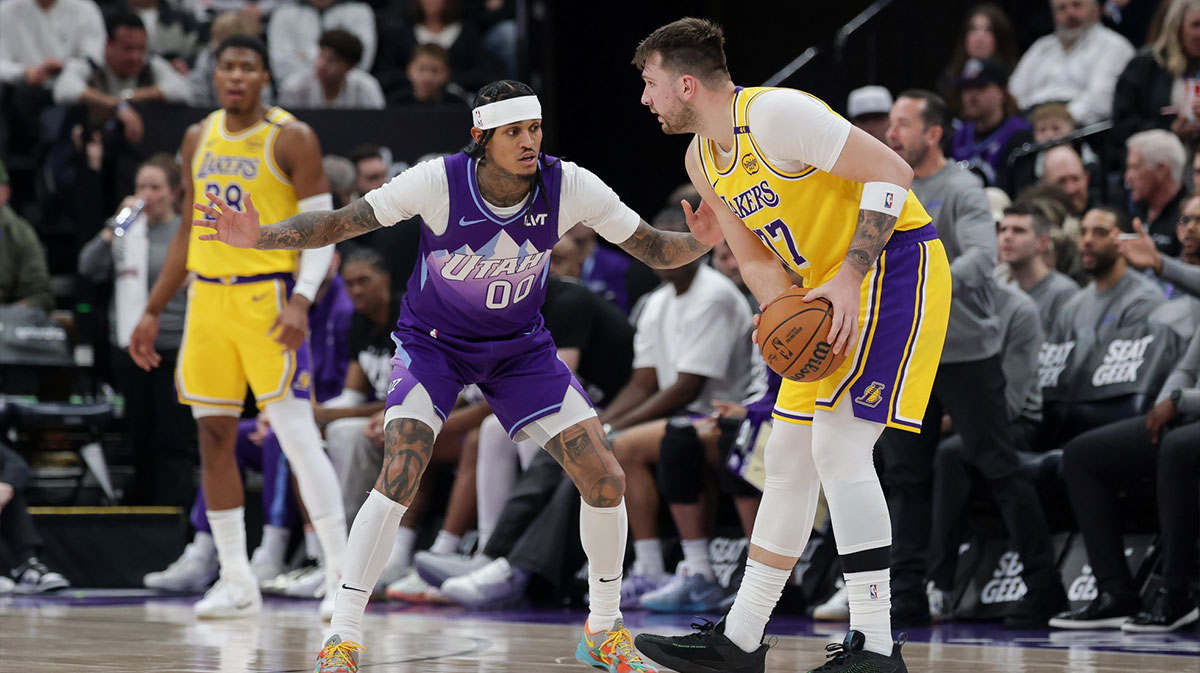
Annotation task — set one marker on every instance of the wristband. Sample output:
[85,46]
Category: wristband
[883,197]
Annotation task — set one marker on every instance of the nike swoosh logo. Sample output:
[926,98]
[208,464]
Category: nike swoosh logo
[258,297]
[464,222]
[361,591]
[613,579]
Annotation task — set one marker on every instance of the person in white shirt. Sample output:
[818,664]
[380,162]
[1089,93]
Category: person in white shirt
[38,36]
[1079,63]
[295,28]
[334,81]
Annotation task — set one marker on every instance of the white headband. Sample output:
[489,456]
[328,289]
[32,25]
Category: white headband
[494,115]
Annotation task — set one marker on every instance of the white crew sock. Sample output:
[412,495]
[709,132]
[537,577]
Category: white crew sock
[870,596]
[446,543]
[402,548]
[756,598]
[695,555]
[602,532]
[203,546]
[274,543]
[648,558]
[229,536]
[371,539]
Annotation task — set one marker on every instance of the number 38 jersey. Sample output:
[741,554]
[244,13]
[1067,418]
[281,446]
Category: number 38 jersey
[807,216]
[232,165]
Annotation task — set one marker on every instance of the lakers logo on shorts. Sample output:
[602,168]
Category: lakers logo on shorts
[303,381]
[872,396]
[750,163]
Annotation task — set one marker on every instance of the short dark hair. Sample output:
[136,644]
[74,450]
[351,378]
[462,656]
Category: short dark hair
[670,219]
[365,151]
[251,42]
[688,46]
[934,112]
[1123,222]
[122,20]
[433,50]
[369,256]
[342,42]
[1041,223]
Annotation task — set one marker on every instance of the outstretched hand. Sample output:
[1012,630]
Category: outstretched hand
[1140,250]
[703,223]
[238,229]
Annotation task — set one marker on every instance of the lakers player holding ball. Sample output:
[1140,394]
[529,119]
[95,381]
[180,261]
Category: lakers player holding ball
[783,177]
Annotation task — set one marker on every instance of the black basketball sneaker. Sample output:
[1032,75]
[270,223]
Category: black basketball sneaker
[707,650]
[849,656]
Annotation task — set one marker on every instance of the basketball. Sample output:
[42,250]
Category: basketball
[794,337]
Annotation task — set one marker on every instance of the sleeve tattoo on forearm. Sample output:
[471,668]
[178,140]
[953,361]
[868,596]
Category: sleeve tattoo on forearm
[319,229]
[870,235]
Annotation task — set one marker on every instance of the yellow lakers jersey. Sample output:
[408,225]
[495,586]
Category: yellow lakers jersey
[806,218]
[231,165]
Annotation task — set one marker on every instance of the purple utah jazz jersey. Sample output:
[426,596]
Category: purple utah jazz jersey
[485,276]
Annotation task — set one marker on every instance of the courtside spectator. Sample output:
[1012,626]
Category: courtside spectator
[867,108]
[1154,175]
[24,278]
[334,81]
[295,30]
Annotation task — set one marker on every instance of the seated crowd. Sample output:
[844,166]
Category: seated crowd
[1064,184]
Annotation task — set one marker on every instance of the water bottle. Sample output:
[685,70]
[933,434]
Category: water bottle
[126,217]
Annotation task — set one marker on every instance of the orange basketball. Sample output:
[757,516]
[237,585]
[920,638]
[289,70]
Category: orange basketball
[794,337]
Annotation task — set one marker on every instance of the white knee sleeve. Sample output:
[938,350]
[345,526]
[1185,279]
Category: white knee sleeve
[789,502]
[842,448]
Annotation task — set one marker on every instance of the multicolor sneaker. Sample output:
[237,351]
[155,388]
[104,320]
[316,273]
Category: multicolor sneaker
[338,656]
[611,651]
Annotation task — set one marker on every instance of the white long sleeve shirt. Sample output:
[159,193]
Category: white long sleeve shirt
[29,35]
[1084,75]
[294,29]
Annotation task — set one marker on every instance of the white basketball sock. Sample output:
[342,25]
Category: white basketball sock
[371,540]
[648,558]
[756,598]
[602,532]
[446,542]
[695,555]
[229,535]
[300,439]
[870,596]
[274,543]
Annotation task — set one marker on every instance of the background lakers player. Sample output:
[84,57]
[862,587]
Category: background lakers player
[246,323]
[784,178]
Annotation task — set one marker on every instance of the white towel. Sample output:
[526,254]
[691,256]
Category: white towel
[131,254]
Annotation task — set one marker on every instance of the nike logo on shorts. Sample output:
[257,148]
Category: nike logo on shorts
[464,222]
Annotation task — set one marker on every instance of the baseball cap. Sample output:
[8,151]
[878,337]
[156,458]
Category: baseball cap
[978,72]
[868,100]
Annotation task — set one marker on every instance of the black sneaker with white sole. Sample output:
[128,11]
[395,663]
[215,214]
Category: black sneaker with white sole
[1168,611]
[708,650]
[849,656]
[1106,611]
[33,577]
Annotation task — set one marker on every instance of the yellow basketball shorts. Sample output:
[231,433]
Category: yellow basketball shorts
[902,315]
[226,345]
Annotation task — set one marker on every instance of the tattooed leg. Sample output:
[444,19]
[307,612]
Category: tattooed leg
[585,454]
[408,447]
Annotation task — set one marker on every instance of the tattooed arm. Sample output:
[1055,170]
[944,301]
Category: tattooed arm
[320,228]
[870,235]
[663,249]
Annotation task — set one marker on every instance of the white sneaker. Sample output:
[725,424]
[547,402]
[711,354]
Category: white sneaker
[264,567]
[6,585]
[278,585]
[836,609]
[230,598]
[412,588]
[193,571]
[939,603]
[495,585]
[310,584]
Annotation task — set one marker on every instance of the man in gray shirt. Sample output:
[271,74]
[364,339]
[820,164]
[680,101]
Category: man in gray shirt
[969,387]
[1024,236]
